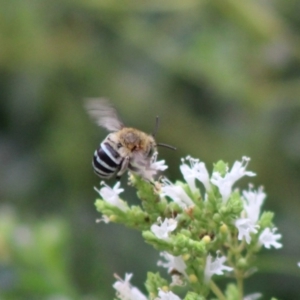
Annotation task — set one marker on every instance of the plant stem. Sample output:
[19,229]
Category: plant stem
[215,289]
[240,284]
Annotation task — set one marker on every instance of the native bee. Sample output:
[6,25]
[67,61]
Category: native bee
[125,147]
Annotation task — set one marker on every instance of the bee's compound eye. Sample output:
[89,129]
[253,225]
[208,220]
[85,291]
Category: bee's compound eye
[151,152]
[119,145]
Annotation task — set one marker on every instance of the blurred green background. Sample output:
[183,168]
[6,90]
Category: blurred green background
[224,77]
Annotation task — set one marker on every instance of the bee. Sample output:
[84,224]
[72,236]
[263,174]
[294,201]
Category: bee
[125,147]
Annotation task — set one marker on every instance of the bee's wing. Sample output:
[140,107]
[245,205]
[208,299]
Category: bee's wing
[103,113]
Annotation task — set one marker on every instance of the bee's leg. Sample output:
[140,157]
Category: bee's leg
[139,171]
[123,167]
[136,170]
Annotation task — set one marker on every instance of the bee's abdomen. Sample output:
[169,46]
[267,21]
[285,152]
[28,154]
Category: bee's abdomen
[106,160]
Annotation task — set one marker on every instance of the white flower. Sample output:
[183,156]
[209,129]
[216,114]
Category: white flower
[162,231]
[196,170]
[155,166]
[172,263]
[167,296]
[125,291]
[202,175]
[189,176]
[239,170]
[177,280]
[225,183]
[254,296]
[253,201]
[176,193]
[245,226]
[105,219]
[298,264]
[158,165]
[268,238]
[215,267]
[111,195]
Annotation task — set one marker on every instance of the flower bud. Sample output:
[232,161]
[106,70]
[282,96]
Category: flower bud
[113,218]
[223,228]
[165,288]
[186,256]
[206,239]
[217,217]
[193,278]
[242,263]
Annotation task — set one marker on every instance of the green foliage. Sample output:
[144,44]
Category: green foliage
[34,258]
[232,292]
[193,296]
[266,219]
[155,282]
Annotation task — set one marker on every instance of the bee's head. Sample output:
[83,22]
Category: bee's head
[130,138]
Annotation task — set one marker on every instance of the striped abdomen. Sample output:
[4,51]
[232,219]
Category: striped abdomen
[106,161]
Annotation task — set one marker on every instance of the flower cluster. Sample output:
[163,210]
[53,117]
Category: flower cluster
[204,227]
[248,222]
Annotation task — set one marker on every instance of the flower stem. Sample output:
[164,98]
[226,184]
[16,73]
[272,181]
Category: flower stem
[240,284]
[215,289]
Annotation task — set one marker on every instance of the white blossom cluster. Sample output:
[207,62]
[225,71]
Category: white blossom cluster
[253,200]
[247,223]
[125,291]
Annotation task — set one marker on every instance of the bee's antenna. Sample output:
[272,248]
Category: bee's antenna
[155,132]
[156,126]
[166,146]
